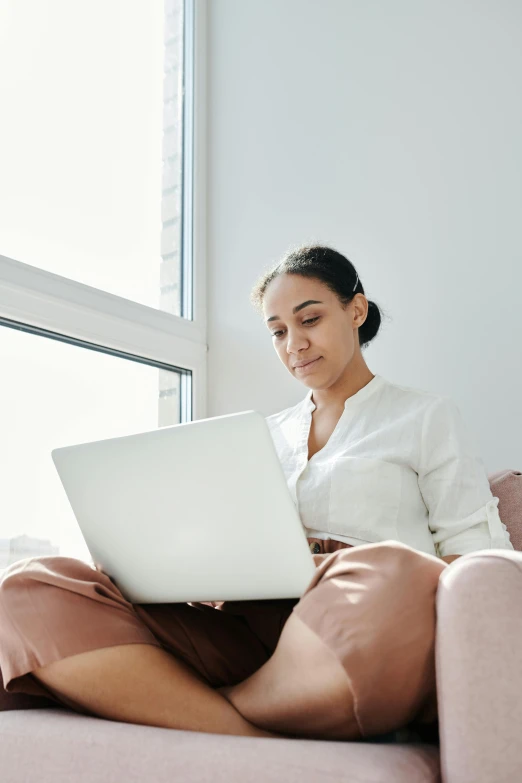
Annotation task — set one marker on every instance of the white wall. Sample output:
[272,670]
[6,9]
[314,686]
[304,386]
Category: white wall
[392,131]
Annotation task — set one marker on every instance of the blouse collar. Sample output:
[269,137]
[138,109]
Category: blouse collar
[355,399]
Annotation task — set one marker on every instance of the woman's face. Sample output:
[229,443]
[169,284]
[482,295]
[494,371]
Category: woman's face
[308,324]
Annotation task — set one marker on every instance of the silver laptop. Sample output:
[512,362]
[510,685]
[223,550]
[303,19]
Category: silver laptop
[190,512]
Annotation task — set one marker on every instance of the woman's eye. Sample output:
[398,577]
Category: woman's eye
[308,321]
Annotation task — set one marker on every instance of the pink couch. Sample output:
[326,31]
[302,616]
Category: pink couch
[479,678]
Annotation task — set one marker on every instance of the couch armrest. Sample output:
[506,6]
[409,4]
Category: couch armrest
[478,654]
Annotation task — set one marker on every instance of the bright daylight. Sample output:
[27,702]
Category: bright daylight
[260,384]
[80,196]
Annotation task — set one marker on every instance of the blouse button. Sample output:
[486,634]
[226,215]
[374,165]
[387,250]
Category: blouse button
[315,548]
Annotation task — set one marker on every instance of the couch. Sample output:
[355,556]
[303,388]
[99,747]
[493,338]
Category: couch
[479,687]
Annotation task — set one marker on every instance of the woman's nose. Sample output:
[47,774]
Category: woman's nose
[295,343]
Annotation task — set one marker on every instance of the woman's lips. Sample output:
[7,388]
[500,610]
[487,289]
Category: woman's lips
[306,368]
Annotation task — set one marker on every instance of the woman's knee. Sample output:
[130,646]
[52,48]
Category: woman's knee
[393,558]
[386,573]
[382,596]
[29,566]
[23,576]
[404,559]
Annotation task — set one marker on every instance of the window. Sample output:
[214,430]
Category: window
[53,394]
[102,326]
[93,184]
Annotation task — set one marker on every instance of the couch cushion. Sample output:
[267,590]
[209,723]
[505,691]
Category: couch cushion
[506,485]
[50,746]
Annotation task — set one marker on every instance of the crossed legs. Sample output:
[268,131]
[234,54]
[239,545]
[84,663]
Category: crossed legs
[140,683]
[374,607]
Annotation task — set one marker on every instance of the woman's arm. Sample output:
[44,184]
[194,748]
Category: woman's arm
[463,513]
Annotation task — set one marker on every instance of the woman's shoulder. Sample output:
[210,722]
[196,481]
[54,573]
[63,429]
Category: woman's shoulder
[414,397]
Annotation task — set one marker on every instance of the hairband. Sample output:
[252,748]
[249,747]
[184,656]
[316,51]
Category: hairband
[355,286]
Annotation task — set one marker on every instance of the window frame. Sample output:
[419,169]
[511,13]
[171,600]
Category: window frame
[38,301]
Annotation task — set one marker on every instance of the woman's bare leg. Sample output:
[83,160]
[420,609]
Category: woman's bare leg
[303,688]
[142,683]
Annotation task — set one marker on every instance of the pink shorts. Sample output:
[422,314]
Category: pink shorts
[373,605]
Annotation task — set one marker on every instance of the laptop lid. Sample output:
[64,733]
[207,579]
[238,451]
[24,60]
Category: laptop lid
[190,512]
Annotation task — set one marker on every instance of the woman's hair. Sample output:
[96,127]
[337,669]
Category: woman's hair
[332,269]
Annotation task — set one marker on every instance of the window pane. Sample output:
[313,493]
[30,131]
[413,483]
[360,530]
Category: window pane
[56,394]
[91,152]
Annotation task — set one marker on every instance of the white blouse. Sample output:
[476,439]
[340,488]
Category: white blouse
[399,465]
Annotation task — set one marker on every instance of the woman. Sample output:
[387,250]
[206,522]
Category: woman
[389,492]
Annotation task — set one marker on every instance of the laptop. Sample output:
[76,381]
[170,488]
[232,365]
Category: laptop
[190,512]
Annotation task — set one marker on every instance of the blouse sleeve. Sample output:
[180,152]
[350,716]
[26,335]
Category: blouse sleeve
[463,514]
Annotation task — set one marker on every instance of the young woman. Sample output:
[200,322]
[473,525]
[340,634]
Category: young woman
[366,460]
[389,490]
